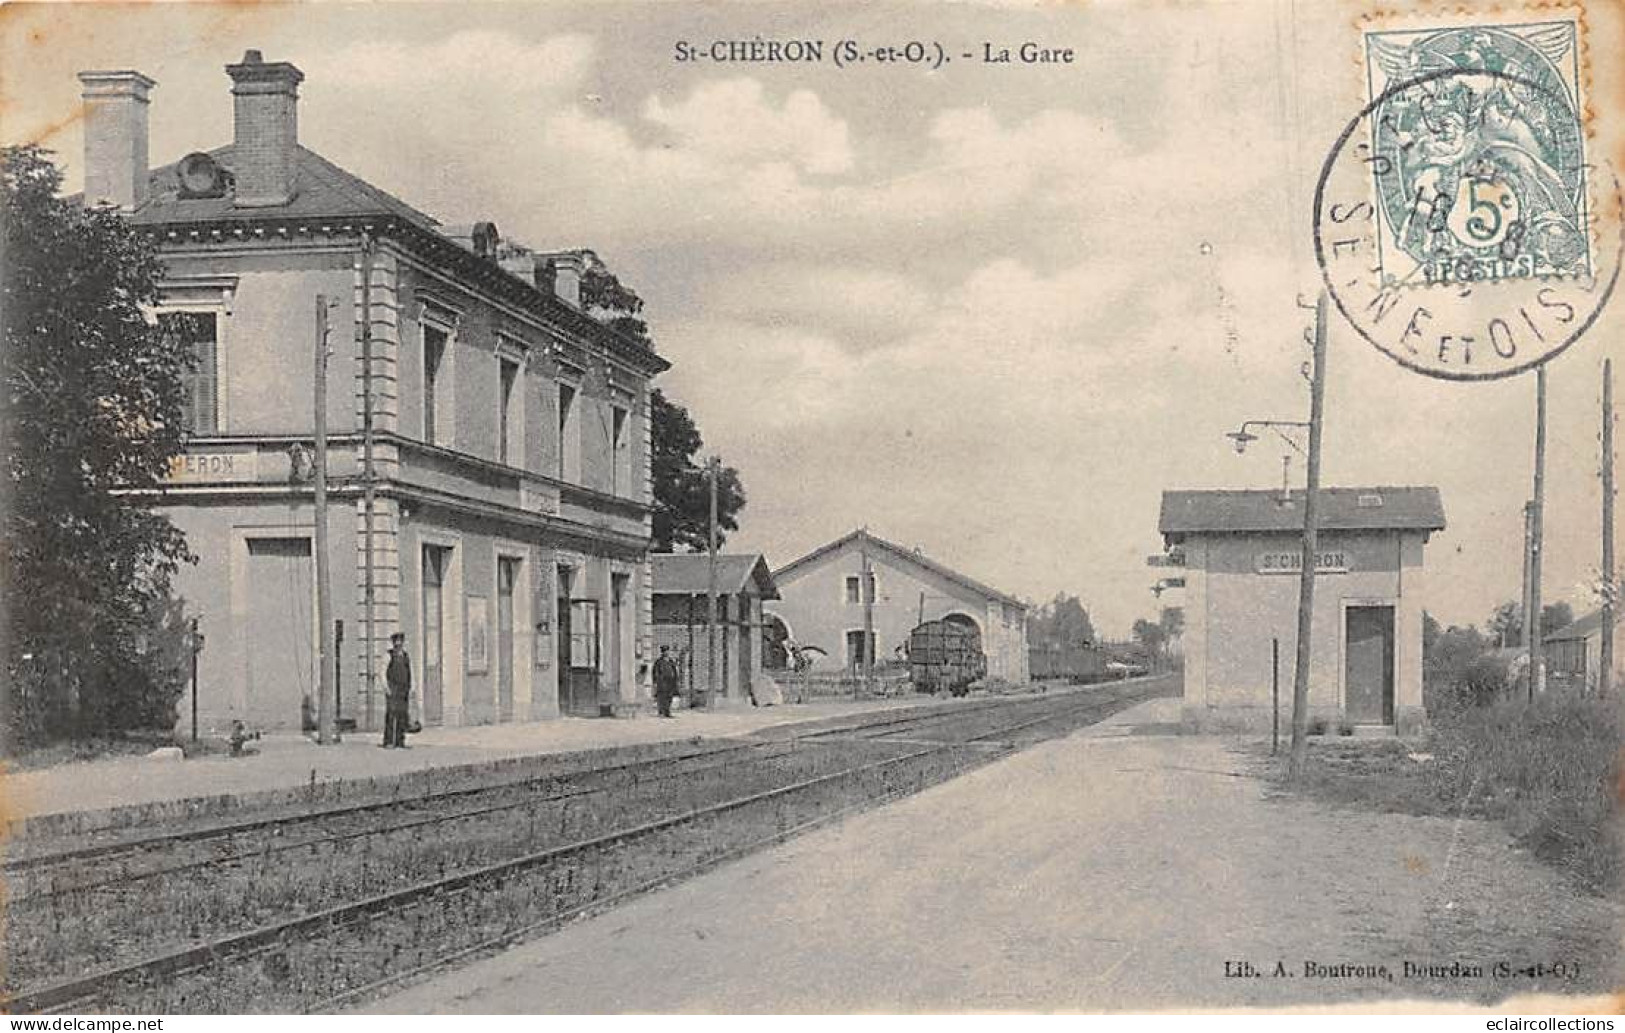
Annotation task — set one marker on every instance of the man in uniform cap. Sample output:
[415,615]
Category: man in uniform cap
[398,676]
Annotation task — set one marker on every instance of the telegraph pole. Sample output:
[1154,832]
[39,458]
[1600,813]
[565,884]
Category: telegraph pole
[1605,656]
[326,731]
[1537,659]
[1525,627]
[711,589]
[1311,532]
[866,593]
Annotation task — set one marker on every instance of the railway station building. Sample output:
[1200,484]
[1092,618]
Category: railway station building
[1242,557]
[488,436]
[823,596]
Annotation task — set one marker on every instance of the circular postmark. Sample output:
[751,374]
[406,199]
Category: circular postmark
[1458,227]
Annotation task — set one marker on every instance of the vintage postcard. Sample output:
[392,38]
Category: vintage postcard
[667,507]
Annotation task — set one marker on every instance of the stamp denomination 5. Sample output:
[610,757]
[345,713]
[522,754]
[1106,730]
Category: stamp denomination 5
[1458,224]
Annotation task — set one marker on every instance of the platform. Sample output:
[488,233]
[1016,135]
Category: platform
[287,761]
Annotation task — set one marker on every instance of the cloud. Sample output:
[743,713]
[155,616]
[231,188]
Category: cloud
[734,122]
[865,307]
[496,66]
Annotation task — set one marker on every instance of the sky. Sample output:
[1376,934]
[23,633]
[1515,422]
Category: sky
[992,311]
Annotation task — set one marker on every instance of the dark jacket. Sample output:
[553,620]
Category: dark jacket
[666,675]
[399,675]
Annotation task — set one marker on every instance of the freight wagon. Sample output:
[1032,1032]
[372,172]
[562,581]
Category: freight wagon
[1077,664]
[945,655]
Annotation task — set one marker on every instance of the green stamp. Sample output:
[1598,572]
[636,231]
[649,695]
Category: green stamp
[1479,164]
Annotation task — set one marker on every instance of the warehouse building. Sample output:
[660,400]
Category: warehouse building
[1242,554]
[824,595]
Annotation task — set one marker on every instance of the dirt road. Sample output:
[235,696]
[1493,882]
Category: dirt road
[1094,873]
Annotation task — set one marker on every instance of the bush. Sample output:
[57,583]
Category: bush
[1548,770]
[1484,682]
[1450,665]
[111,679]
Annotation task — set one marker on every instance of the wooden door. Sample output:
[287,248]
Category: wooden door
[434,628]
[507,575]
[585,667]
[746,635]
[281,633]
[617,628]
[1368,664]
[854,651]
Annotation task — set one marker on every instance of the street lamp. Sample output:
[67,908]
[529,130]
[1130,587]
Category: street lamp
[1311,525]
[1243,437]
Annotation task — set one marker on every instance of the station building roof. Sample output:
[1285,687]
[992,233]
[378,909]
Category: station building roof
[1262,511]
[326,191]
[685,573]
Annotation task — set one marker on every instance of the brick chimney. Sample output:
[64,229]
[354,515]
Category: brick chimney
[568,269]
[265,162]
[116,137]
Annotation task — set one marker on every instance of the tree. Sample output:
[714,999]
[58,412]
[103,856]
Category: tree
[1172,622]
[682,500]
[603,293]
[1061,623]
[1506,623]
[1151,637]
[1555,616]
[93,404]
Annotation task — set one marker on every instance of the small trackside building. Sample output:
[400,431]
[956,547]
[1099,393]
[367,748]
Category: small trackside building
[681,585]
[823,604]
[1574,655]
[1242,553]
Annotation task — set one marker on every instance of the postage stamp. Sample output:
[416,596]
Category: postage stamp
[1461,225]
[1482,180]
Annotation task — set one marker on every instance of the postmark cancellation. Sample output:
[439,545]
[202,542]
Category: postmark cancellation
[1460,223]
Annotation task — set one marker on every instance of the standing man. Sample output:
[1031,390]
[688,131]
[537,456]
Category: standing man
[398,676]
[666,678]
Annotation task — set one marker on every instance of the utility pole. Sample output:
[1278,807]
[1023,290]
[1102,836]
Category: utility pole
[1605,656]
[196,643]
[711,466]
[1311,532]
[1537,659]
[368,488]
[866,592]
[1525,627]
[326,731]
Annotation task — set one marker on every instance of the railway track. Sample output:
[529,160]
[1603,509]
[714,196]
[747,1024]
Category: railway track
[320,957]
[129,861]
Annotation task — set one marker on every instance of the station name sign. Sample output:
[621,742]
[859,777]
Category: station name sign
[1332,561]
[1171,558]
[214,467]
